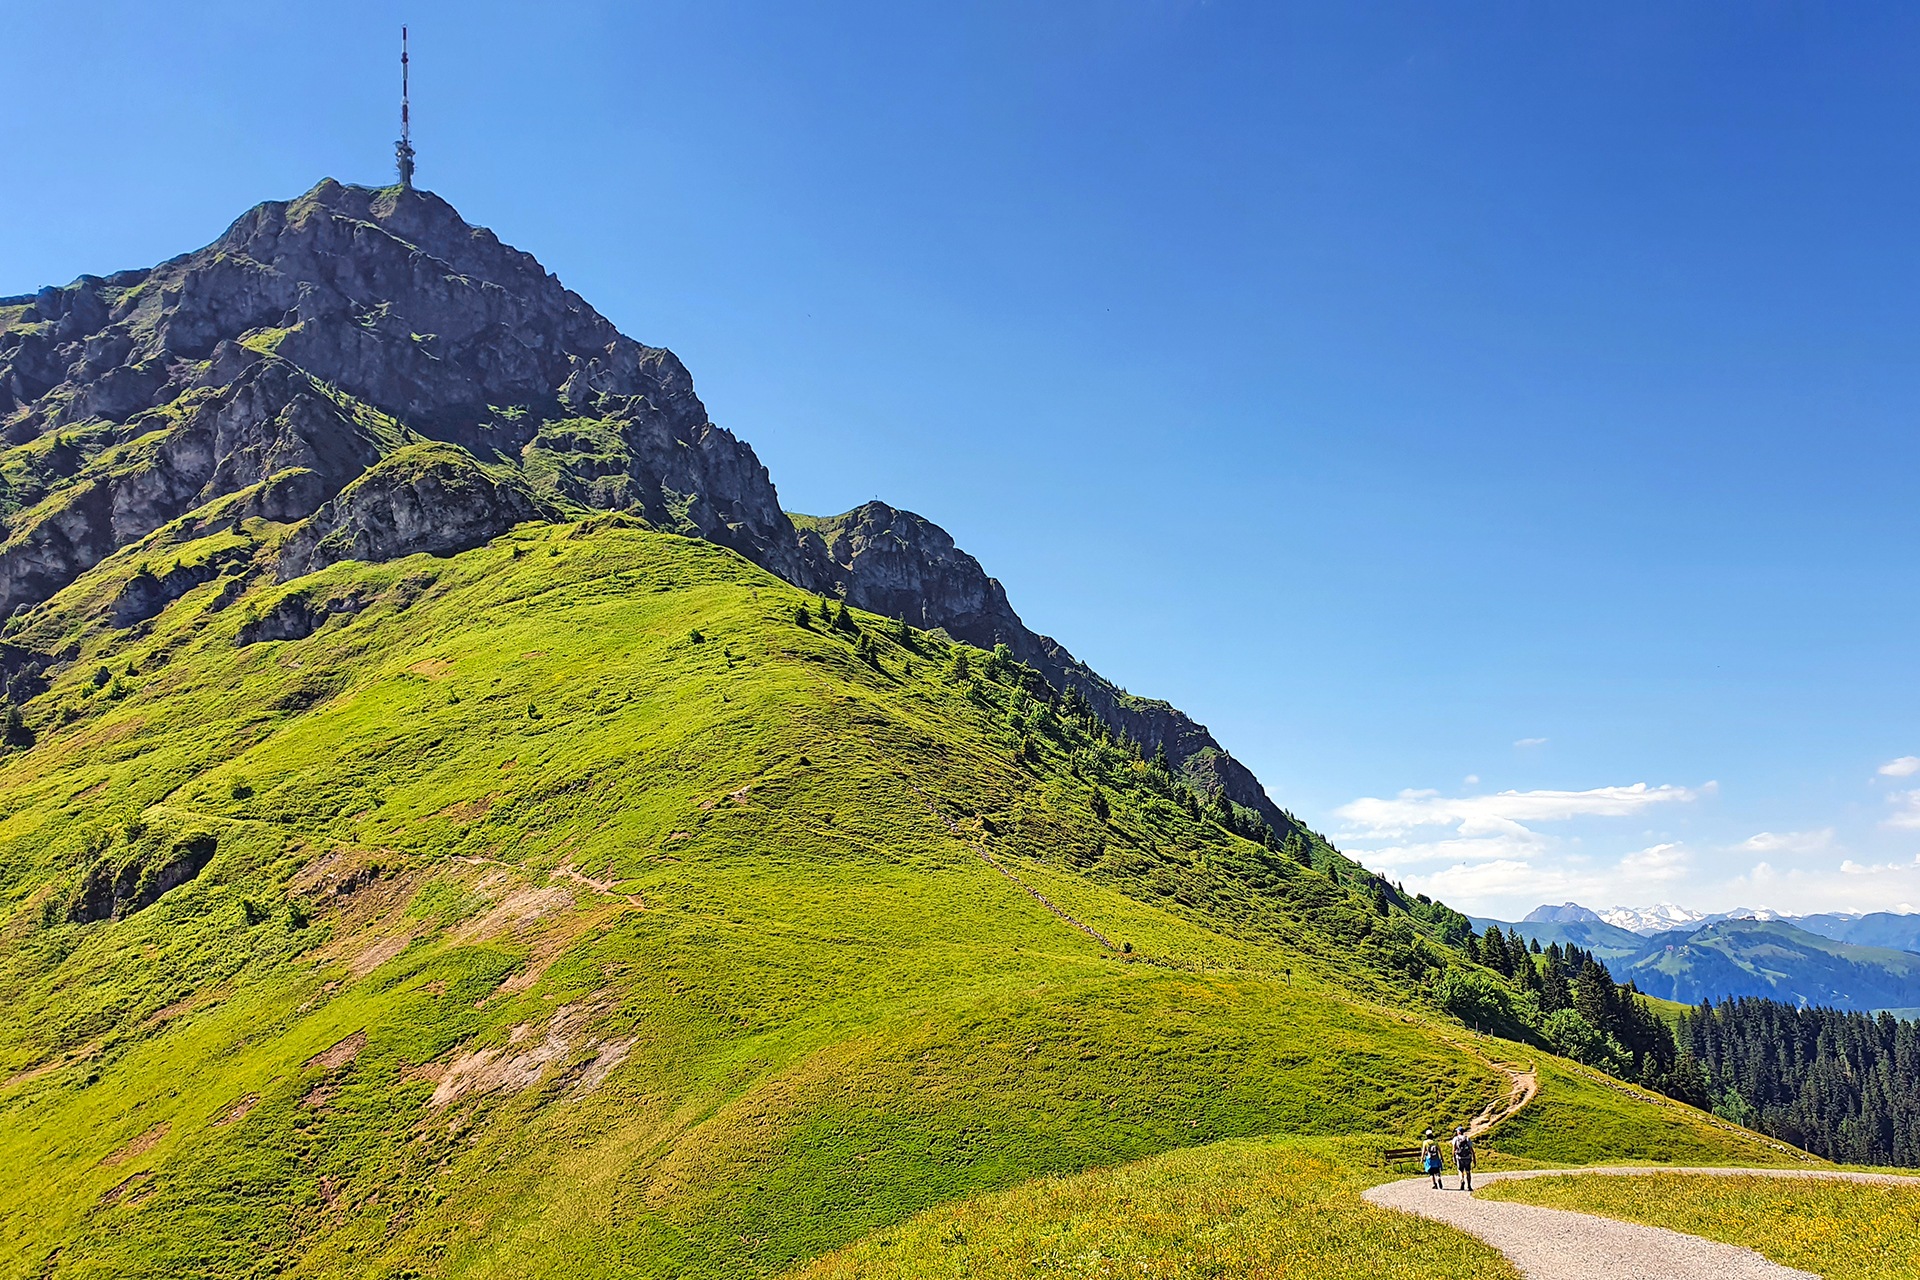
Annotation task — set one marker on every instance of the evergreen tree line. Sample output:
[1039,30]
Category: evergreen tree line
[1842,1085]
[1564,998]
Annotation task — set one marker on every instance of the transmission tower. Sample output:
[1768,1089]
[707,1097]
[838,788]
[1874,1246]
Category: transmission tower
[403,149]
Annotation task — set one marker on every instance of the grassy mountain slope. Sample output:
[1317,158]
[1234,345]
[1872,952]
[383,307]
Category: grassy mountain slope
[1840,1230]
[1259,1209]
[1775,960]
[566,906]
[538,934]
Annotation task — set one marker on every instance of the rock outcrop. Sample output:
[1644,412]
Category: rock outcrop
[430,497]
[368,368]
[896,563]
[323,334]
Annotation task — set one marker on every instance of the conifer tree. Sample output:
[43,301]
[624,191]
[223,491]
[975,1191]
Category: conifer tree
[1555,994]
[16,732]
[1593,997]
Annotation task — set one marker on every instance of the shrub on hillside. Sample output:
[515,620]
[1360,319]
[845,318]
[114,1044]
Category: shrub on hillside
[1481,1000]
[1572,1036]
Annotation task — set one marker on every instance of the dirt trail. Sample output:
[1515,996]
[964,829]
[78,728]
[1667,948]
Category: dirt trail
[1558,1244]
[1525,1088]
[991,861]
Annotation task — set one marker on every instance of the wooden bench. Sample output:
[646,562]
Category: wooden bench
[1391,1154]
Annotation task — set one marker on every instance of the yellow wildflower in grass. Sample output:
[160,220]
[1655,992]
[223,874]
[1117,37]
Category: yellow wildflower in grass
[1254,1209]
[1840,1230]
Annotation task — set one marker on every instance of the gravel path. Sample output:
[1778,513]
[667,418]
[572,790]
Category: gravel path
[1555,1244]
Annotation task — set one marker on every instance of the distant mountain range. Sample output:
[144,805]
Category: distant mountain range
[1840,960]
[1900,931]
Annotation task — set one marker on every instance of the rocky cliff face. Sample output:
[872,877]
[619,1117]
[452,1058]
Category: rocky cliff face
[369,369]
[324,334]
[896,563]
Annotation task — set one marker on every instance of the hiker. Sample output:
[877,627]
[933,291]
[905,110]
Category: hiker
[1430,1160]
[1463,1157]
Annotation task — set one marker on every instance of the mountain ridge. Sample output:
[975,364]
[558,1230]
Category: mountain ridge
[323,345]
[1735,957]
[437,842]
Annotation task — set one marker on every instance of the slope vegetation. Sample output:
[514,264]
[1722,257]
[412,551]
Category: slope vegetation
[589,901]
[569,905]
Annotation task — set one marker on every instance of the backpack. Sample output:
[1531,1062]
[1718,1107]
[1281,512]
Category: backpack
[1463,1151]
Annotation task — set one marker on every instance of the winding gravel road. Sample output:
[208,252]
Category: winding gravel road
[1555,1244]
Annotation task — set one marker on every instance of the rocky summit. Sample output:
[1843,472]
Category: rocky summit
[361,374]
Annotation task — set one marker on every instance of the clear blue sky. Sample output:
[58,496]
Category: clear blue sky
[1432,399]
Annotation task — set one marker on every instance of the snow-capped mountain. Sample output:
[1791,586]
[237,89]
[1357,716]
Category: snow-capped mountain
[1658,918]
[1867,928]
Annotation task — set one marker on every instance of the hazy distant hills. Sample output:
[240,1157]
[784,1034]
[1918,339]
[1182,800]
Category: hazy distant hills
[1875,929]
[1847,962]
[1609,942]
[1880,929]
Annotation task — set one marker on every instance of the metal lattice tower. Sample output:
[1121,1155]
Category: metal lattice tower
[403,149]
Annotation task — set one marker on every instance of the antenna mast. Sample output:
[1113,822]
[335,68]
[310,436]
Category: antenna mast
[403,150]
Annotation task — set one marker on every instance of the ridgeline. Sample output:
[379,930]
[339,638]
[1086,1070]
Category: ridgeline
[453,823]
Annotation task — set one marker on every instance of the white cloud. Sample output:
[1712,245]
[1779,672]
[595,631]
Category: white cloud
[1906,816]
[1530,742]
[1471,780]
[1788,841]
[1850,886]
[1661,862]
[1852,868]
[1505,811]
[1904,767]
[1485,853]
[1505,878]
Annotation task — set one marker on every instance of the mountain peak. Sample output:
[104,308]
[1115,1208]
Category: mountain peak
[378,377]
[1566,913]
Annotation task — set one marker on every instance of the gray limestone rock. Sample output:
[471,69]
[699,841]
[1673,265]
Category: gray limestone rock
[896,563]
[431,498]
[367,366]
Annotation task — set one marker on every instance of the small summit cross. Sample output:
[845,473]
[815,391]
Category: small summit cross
[403,149]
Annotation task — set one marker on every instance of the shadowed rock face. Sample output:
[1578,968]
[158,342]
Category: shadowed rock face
[368,368]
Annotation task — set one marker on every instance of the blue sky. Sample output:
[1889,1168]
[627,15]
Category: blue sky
[1471,413]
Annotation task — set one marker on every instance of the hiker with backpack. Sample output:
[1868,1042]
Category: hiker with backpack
[1463,1157]
[1430,1159]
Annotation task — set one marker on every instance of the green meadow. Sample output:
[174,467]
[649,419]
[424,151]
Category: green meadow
[1841,1230]
[595,903]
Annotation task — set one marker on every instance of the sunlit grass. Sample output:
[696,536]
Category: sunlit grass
[1256,1210]
[833,1014]
[1840,1230]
